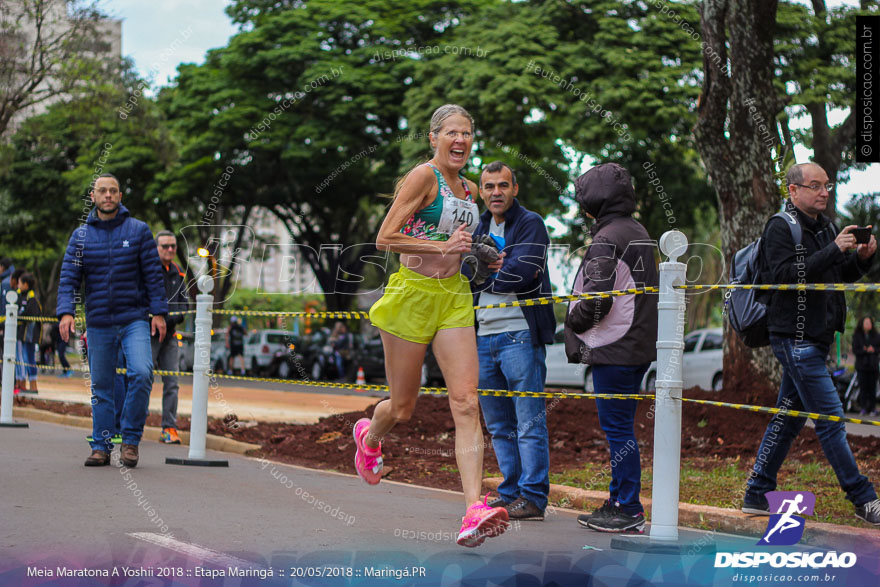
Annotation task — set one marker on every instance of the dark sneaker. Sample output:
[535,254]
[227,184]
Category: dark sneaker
[523,509]
[129,455]
[498,502]
[604,511]
[98,458]
[618,521]
[758,507]
[869,512]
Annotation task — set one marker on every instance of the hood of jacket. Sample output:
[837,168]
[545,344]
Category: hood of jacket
[605,192]
[120,217]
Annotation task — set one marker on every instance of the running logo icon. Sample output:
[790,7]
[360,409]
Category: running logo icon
[786,526]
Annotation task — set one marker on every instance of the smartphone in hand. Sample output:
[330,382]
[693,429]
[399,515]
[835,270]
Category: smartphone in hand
[862,234]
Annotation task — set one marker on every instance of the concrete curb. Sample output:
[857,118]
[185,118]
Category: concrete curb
[212,441]
[819,534]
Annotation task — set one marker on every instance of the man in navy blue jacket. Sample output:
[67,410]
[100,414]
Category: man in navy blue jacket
[116,256]
[510,343]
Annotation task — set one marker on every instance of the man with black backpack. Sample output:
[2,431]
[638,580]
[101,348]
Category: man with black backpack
[801,327]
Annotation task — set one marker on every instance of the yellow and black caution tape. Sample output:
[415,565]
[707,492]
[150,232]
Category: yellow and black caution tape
[368,387]
[498,393]
[347,315]
[859,287]
[41,366]
[120,370]
[55,319]
[38,318]
[565,299]
[530,302]
[431,390]
[782,412]
[359,315]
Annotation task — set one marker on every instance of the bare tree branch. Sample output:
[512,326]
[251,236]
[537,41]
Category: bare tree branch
[45,46]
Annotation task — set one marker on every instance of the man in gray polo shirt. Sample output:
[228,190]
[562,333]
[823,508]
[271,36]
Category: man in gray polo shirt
[510,343]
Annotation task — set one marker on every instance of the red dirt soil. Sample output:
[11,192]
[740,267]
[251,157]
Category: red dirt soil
[421,451]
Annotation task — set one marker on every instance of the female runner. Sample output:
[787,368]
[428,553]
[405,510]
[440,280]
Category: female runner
[430,224]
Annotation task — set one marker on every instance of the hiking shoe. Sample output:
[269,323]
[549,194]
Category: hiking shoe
[169,436]
[367,461]
[523,509]
[760,507]
[481,522]
[129,455]
[619,521]
[98,458]
[498,502]
[869,512]
[607,509]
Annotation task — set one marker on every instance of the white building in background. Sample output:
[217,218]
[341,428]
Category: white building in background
[107,43]
[276,265]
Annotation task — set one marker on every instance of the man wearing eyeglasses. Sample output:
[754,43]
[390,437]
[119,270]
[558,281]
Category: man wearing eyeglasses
[165,352]
[116,257]
[802,326]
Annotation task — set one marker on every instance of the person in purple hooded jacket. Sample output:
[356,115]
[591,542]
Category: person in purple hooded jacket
[615,335]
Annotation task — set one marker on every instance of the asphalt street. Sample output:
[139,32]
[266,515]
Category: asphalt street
[262,523]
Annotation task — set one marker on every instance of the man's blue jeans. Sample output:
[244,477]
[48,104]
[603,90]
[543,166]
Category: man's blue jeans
[807,386]
[104,343]
[617,419]
[518,425]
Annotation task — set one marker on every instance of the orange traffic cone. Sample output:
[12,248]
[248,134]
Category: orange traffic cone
[361,379]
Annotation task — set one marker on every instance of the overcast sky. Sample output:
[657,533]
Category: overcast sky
[160,34]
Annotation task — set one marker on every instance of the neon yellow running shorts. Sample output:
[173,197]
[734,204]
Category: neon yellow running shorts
[414,307]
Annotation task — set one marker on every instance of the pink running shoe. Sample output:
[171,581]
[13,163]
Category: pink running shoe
[367,461]
[481,522]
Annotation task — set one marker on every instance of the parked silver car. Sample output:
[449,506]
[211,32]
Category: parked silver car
[701,361]
[560,371]
[261,346]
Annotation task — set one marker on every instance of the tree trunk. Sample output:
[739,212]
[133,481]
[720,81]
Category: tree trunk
[828,145]
[736,134]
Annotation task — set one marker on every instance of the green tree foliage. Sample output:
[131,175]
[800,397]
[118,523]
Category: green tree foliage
[609,80]
[769,54]
[47,47]
[300,107]
[53,160]
[815,59]
[863,210]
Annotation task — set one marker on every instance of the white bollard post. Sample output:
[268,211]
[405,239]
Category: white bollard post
[198,428]
[7,392]
[667,405]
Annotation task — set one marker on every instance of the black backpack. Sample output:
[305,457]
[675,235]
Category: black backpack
[747,308]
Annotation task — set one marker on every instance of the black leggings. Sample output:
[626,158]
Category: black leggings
[867,390]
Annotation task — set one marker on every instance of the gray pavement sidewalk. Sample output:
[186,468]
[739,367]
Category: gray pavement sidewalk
[306,527]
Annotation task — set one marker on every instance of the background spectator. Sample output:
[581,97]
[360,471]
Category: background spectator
[28,331]
[866,345]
